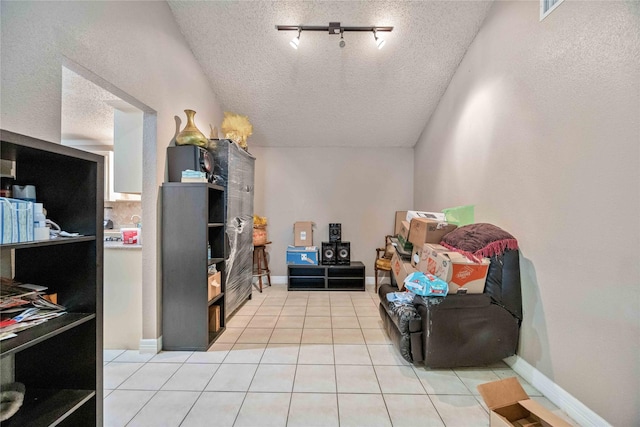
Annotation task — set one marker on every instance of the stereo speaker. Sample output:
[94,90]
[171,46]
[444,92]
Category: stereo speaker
[329,253]
[343,253]
[335,232]
[192,157]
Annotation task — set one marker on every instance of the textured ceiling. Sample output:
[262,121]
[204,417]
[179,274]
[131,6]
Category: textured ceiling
[321,94]
[87,111]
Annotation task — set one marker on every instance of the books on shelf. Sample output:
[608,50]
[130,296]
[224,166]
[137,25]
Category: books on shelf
[193,176]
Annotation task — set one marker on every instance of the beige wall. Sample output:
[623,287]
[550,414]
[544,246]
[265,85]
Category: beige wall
[134,46]
[540,129]
[360,188]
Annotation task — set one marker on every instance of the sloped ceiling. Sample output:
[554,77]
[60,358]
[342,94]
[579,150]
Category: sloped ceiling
[321,94]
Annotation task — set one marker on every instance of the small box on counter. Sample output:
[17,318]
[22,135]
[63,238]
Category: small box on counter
[303,233]
[130,236]
[302,255]
[462,274]
[401,269]
[422,230]
[509,405]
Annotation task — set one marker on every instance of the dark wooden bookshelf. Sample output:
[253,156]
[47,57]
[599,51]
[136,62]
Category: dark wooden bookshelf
[59,361]
[192,218]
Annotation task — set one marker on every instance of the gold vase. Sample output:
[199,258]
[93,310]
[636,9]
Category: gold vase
[190,135]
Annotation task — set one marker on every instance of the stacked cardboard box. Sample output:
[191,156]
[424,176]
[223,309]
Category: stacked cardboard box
[302,252]
[400,216]
[302,255]
[401,269]
[462,274]
[303,233]
[423,230]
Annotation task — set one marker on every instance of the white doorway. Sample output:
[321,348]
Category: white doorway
[93,116]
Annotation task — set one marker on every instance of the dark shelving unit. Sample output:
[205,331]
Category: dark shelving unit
[59,361]
[192,217]
[348,277]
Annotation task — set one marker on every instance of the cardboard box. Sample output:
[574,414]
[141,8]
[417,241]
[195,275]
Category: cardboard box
[436,216]
[404,231]
[214,318]
[302,255]
[397,225]
[303,233]
[214,286]
[404,245]
[419,256]
[401,269]
[422,230]
[509,405]
[462,274]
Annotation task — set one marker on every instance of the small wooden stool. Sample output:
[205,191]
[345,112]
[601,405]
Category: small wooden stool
[260,264]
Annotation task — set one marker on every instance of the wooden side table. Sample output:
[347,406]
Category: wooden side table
[261,265]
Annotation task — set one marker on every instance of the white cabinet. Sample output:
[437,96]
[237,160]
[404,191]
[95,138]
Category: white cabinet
[127,151]
[122,296]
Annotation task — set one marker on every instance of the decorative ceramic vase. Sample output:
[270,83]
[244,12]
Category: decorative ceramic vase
[190,135]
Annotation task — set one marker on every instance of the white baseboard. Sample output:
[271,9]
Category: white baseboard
[277,280]
[577,410]
[153,346]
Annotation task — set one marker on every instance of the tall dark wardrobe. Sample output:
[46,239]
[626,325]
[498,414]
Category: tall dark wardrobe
[234,170]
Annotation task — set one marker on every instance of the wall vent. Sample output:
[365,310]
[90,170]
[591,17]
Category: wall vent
[548,6]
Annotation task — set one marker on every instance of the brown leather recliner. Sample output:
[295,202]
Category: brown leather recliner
[462,330]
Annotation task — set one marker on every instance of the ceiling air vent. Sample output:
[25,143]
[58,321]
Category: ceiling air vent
[548,6]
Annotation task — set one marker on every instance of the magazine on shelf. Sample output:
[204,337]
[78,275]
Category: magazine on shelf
[24,307]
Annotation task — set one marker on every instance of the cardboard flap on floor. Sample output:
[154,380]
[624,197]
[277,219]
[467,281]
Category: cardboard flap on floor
[510,405]
[502,393]
[543,414]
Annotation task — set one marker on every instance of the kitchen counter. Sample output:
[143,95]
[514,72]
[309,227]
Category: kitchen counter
[117,244]
[120,245]
[122,296]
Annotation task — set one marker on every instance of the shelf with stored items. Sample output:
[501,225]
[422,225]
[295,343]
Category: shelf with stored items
[193,246]
[62,386]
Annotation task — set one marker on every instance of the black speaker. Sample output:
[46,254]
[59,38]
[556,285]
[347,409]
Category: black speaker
[335,232]
[192,157]
[343,253]
[328,253]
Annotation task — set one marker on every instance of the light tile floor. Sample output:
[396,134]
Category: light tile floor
[296,359]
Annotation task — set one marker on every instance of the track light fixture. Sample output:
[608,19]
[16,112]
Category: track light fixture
[379,42]
[296,40]
[333,28]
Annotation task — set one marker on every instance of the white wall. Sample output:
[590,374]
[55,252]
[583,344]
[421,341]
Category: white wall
[360,188]
[540,129]
[135,46]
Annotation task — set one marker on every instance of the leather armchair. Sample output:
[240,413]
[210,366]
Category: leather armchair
[463,330]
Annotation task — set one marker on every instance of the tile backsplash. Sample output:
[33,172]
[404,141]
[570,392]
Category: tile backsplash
[121,213]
